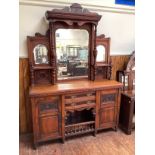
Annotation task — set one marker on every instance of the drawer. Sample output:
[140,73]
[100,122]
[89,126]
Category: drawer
[79,95]
[79,99]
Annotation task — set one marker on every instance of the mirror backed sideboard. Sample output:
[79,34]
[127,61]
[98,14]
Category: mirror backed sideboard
[70,70]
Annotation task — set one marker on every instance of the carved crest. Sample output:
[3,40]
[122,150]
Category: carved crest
[75,11]
[74,8]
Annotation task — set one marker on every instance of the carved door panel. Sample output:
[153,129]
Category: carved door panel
[49,118]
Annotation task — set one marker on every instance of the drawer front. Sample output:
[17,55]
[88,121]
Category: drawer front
[80,100]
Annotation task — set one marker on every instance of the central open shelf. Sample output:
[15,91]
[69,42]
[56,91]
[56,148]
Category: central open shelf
[74,117]
[79,122]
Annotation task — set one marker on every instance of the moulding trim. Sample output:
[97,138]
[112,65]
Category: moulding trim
[92,7]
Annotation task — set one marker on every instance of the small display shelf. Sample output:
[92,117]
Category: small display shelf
[42,67]
[79,122]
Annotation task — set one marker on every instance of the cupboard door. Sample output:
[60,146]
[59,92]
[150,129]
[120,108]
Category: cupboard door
[49,126]
[107,117]
[108,109]
[49,117]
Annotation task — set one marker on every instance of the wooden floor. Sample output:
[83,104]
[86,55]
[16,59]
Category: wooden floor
[105,143]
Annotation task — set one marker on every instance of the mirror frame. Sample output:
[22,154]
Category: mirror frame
[73,17]
[39,73]
[102,40]
[32,42]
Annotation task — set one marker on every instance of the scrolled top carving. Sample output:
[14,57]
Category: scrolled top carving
[37,34]
[74,12]
[74,8]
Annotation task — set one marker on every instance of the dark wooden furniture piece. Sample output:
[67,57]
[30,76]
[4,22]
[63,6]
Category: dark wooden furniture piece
[127,108]
[84,102]
[127,111]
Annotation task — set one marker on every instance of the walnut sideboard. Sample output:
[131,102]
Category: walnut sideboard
[73,108]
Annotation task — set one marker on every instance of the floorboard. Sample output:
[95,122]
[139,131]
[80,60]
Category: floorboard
[105,143]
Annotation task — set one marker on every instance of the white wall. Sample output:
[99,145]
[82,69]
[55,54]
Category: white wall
[120,28]
[117,23]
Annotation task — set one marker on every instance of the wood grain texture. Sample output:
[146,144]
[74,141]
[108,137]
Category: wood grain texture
[25,121]
[24,104]
[72,86]
[105,143]
[22,108]
[118,63]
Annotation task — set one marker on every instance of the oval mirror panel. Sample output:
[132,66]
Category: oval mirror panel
[100,53]
[40,54]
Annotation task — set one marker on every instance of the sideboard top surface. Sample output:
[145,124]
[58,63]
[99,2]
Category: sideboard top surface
[73,86]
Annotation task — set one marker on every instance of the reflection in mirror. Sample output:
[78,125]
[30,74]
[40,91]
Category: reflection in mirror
[72,53]
[100,53]
[40,54]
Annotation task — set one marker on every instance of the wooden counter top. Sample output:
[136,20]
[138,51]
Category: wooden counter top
[73,86]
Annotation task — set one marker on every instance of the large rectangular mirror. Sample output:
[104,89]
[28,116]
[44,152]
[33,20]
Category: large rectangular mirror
[72,53]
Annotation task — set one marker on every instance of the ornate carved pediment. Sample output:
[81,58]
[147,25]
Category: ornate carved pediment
[74,8]
[74,12]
